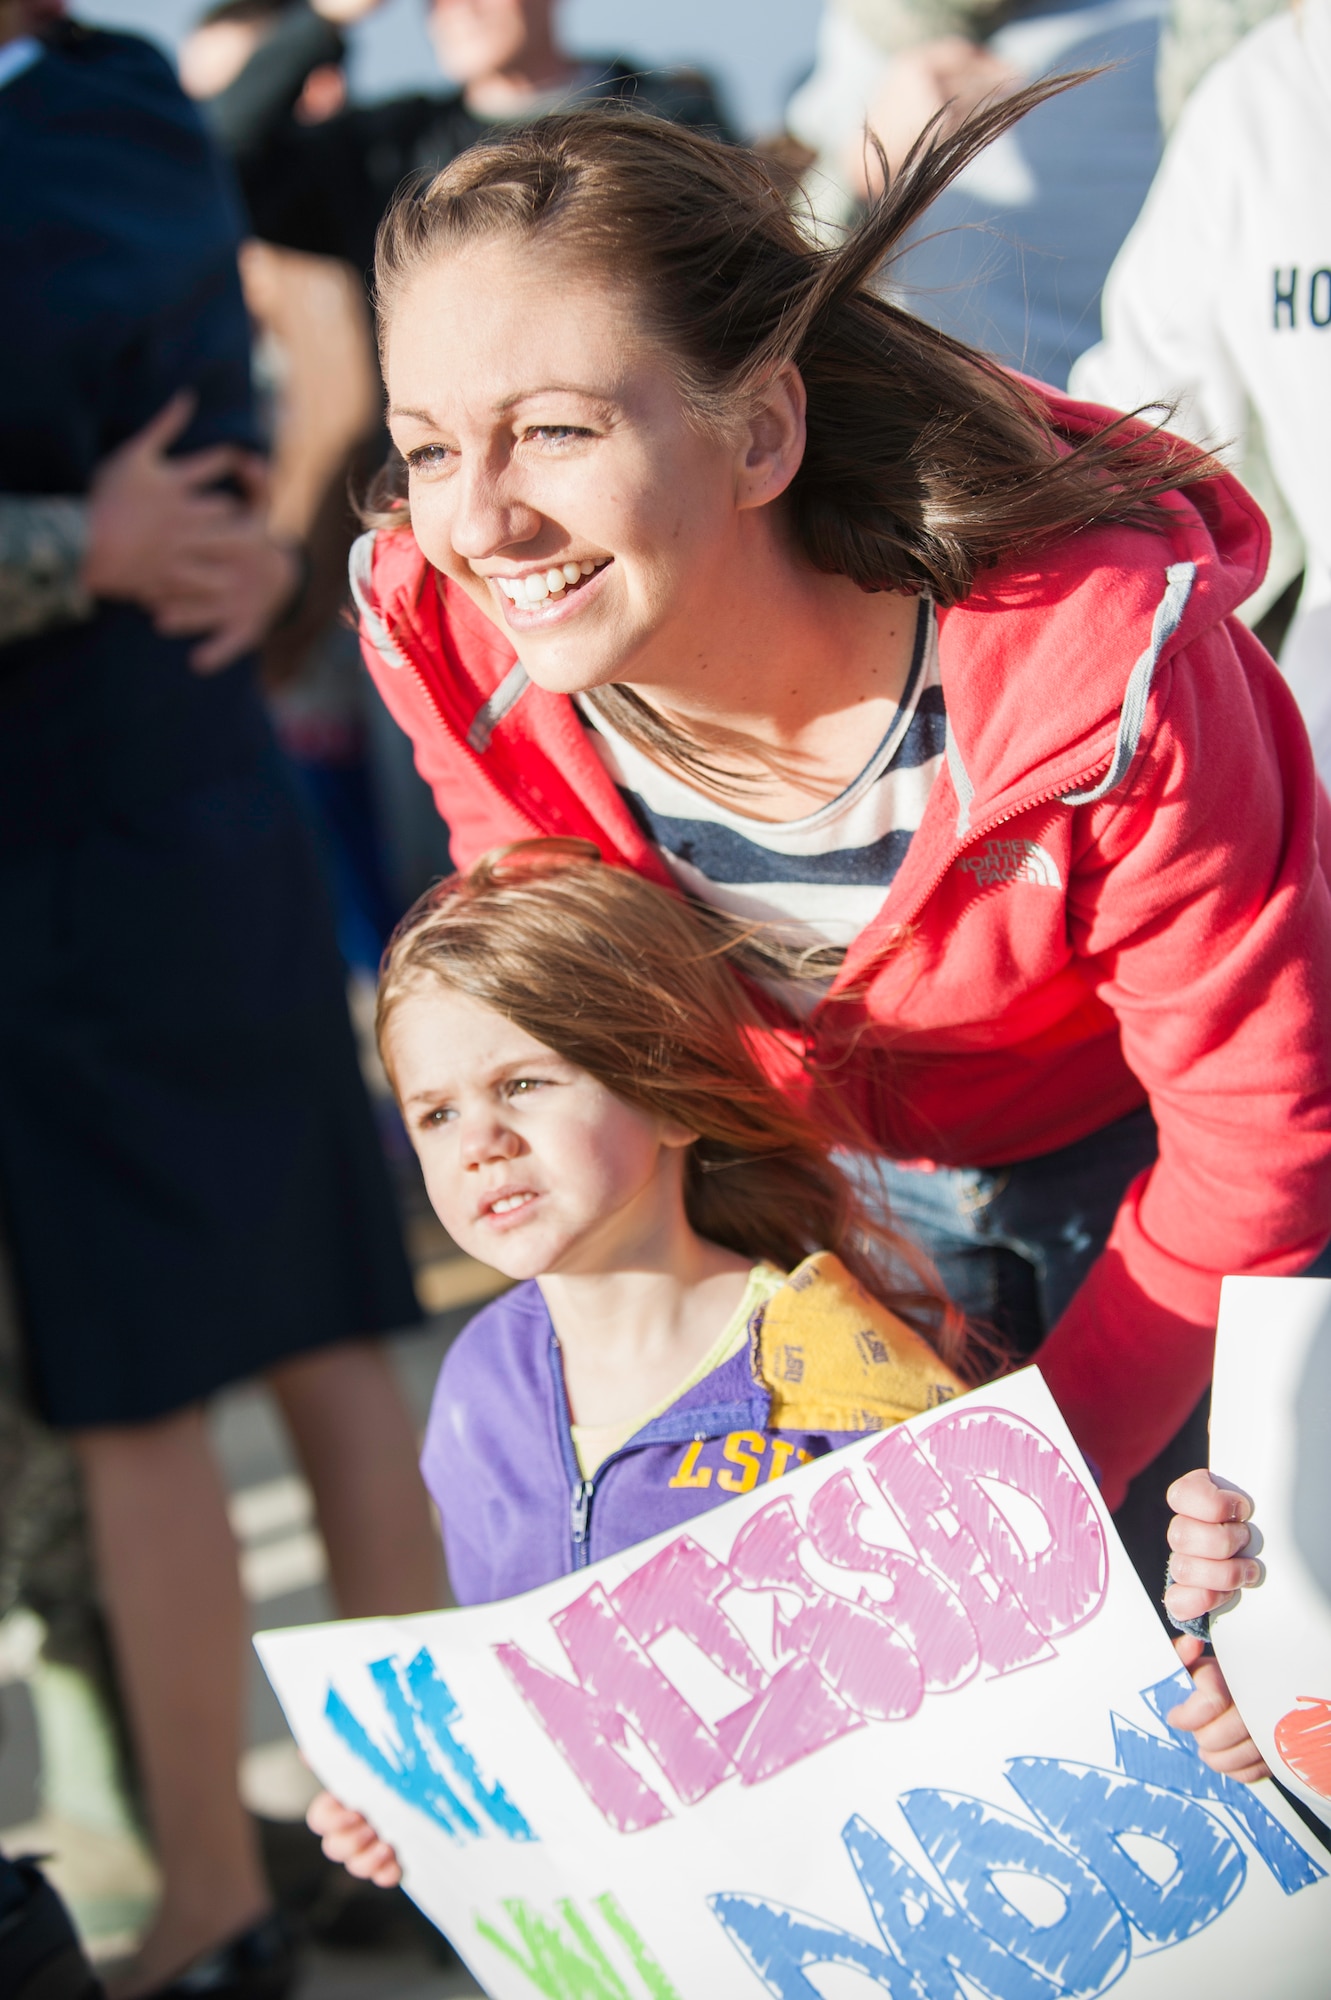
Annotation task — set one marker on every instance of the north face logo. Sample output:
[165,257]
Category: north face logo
[1012,861]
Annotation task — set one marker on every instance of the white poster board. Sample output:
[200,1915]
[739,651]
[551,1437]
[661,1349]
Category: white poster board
[1271,1437]
[891,1726]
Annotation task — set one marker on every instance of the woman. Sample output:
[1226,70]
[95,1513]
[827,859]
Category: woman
[828,620]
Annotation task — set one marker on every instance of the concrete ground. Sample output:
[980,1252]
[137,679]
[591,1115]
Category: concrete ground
[366,1945]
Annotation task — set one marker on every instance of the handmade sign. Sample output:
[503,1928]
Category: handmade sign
[894,1724]
[1271,1436]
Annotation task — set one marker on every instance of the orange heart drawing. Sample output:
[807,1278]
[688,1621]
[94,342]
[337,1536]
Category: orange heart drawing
[1303,1738]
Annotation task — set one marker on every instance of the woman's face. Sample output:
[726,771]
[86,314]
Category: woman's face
[555,473]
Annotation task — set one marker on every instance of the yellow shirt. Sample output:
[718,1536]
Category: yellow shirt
[594,1443]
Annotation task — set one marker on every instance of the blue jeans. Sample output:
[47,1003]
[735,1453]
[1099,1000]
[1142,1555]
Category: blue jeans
[1012,1244]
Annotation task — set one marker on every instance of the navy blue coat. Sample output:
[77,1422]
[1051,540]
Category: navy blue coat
[189,1172]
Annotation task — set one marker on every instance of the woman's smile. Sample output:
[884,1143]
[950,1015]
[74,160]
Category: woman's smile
[537,597]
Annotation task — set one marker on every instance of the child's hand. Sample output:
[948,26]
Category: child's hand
[1207,1535]
[348,1837]
[1209,1714]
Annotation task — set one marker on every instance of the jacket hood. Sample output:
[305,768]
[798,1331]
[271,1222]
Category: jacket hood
[1087,625]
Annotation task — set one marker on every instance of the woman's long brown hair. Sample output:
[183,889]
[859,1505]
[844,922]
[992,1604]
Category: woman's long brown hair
[926,462]
[640,989]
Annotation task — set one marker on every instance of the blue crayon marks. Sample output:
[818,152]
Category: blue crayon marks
[1088,1834]
[428,1764]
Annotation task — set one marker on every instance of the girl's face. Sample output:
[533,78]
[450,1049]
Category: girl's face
[556,474]
[530,1163]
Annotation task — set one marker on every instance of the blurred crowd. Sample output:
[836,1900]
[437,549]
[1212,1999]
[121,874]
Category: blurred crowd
[209,824]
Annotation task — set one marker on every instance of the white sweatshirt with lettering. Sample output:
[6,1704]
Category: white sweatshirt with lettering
[1221,297]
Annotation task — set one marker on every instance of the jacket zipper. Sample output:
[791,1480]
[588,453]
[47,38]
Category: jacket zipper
[461,741]
[580,1521]
[477,758]
[581,1491]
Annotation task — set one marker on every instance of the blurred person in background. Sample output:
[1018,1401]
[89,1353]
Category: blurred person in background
[1220,303]
[324,186]
[1014,255]
[319,394]
[188,1168]
[317,176]
[1196,34]
[319,397]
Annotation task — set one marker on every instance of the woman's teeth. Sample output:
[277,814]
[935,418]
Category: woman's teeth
[541,584]
[508,1202]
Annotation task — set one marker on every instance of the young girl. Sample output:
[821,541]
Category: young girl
[578,1068]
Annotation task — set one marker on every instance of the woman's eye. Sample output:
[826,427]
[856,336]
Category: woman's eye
[441,1115]
[522,1086]
[428,457]
[554,433]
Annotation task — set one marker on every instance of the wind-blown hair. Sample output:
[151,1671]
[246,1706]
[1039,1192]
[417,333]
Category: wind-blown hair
[641,989]
[925,462]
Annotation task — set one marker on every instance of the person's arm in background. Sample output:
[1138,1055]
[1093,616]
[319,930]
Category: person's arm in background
[156,531]
[245,116]
[294,176]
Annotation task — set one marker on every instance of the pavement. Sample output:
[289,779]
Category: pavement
[368,1947]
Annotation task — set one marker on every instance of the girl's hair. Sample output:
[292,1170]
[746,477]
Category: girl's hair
[925,460]
[638,988]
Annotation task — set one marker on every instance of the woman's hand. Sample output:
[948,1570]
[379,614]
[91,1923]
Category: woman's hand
[348,1837]
[1207,1536]
[1210,1716]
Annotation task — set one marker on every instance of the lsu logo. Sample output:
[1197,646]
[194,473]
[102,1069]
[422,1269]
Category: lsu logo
[1012,861]
[740,1460]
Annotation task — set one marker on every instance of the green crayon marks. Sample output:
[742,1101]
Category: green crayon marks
[565,1961]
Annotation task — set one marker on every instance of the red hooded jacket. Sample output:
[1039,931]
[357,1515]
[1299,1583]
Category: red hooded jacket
[1115,896]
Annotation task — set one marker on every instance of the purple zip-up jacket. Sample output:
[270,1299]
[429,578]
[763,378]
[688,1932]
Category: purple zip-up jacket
[824,1364]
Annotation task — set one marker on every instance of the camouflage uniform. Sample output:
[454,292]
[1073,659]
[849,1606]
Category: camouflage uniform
[42,545]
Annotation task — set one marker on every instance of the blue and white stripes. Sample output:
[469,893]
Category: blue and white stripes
[818,880]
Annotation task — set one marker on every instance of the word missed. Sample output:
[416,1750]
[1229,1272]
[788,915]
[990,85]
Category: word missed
[967,1596]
